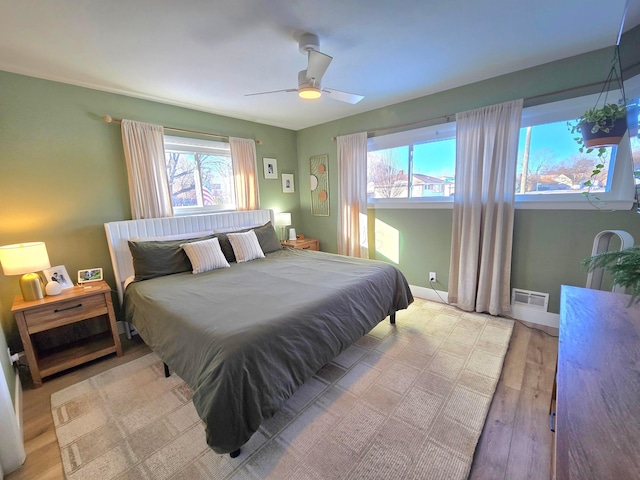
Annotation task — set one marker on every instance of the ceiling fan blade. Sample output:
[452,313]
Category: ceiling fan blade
[272,91]
[318,64]
[351,98]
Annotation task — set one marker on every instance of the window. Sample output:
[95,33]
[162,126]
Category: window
[418,167]
[200,175]
[418,164]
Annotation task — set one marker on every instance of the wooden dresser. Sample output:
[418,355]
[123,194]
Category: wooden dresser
[598,386]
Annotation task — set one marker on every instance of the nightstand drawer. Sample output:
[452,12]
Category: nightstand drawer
[65,312]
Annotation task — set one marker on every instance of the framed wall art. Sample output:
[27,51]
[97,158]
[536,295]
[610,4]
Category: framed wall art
[287,183]
[319,166]
[270,168]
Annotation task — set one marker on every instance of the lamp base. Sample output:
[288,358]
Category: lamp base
[32,287]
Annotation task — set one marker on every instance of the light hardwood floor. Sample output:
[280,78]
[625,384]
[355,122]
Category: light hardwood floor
[515,443]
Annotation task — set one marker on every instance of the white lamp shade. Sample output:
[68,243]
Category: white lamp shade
[283,219]
[24,258]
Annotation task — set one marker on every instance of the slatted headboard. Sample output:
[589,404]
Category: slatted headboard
[119,233]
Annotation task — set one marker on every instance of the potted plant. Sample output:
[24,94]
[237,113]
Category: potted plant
[624,267]
[600,127]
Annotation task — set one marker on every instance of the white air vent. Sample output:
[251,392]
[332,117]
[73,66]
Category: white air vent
[527,298]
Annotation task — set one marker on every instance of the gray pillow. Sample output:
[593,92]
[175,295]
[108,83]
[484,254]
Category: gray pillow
[159,258]
[267,238]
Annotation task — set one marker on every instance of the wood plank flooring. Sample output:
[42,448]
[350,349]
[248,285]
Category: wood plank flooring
[515,443]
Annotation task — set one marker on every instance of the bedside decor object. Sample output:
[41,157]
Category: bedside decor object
[292,234]
[58,274]
[282,221]
[89,275]
[270,168]
[25,259]
[287,183]
[53,289]
[319,185]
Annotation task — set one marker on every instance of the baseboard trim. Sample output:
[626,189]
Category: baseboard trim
[530,315]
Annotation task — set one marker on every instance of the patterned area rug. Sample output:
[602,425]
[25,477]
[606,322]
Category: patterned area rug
[406,401]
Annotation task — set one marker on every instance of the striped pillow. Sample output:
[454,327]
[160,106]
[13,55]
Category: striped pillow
[205,255]
[245,246]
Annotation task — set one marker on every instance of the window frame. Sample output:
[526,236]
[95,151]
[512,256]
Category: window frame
[199,147]
[621,184]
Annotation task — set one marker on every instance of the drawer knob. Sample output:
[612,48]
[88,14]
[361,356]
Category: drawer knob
[58,310]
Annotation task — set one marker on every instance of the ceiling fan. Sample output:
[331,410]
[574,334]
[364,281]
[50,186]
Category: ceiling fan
[310,79]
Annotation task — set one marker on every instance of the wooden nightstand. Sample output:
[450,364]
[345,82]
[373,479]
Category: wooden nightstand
[303,243]
[73,305]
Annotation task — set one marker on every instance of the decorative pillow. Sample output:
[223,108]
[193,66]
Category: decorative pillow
[267,238]
[205,255]
[245,246]
[156,259]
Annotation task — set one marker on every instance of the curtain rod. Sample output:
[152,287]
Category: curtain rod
[527,99]
[110,119]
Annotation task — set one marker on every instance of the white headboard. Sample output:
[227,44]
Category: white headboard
[119,233]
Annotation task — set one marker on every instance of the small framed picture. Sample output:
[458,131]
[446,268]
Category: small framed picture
[89,275]
[270,168]
[58,274]
[287,183]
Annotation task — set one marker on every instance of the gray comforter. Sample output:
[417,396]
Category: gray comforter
[245,338]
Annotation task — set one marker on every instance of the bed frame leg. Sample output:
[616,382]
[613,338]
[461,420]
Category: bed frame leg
[392,318]
[167,374]
[235,453]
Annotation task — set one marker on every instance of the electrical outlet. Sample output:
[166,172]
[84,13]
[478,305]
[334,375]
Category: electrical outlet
[432,277]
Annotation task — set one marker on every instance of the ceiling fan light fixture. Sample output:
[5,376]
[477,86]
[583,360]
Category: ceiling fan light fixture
[309,93]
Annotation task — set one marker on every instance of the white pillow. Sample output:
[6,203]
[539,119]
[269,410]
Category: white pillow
[205,255]
[245,246]
[175,236]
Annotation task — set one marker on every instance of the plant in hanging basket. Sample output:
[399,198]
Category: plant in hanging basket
[600,127]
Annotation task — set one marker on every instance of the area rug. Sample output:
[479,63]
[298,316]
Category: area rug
[406,401]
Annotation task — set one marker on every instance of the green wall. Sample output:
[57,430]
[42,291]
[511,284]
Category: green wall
[548,245]
[63,174]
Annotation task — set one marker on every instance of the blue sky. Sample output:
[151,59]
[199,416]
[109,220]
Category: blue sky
[438,158]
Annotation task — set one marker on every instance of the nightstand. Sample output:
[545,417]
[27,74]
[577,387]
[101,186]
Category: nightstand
[73,305]
[303,243]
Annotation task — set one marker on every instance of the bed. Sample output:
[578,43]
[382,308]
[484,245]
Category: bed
[244,338]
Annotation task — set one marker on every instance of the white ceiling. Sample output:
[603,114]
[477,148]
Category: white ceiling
[207,55]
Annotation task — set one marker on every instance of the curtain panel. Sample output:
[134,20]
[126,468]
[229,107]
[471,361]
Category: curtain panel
[483,211]
[243,157]
[352,195]
[149,192]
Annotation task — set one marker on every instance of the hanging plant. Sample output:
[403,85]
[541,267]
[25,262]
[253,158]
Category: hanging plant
[601,127]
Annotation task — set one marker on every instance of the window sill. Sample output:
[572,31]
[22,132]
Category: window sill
[546,203]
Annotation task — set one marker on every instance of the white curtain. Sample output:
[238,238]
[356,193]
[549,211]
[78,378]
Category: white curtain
[486,153]
[243,157]
[352,195]
[143,145]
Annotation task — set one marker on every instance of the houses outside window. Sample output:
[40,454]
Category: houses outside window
[418,167]
[200,175]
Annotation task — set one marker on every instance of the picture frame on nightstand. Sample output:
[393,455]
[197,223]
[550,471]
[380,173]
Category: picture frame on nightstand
[89,275]
[58,274]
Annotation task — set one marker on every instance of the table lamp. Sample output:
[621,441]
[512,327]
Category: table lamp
[282,220]
[25,259]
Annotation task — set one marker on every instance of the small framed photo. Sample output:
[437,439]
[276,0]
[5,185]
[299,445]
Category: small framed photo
[270,168]
[58,274]
[89,275]
[287,183]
